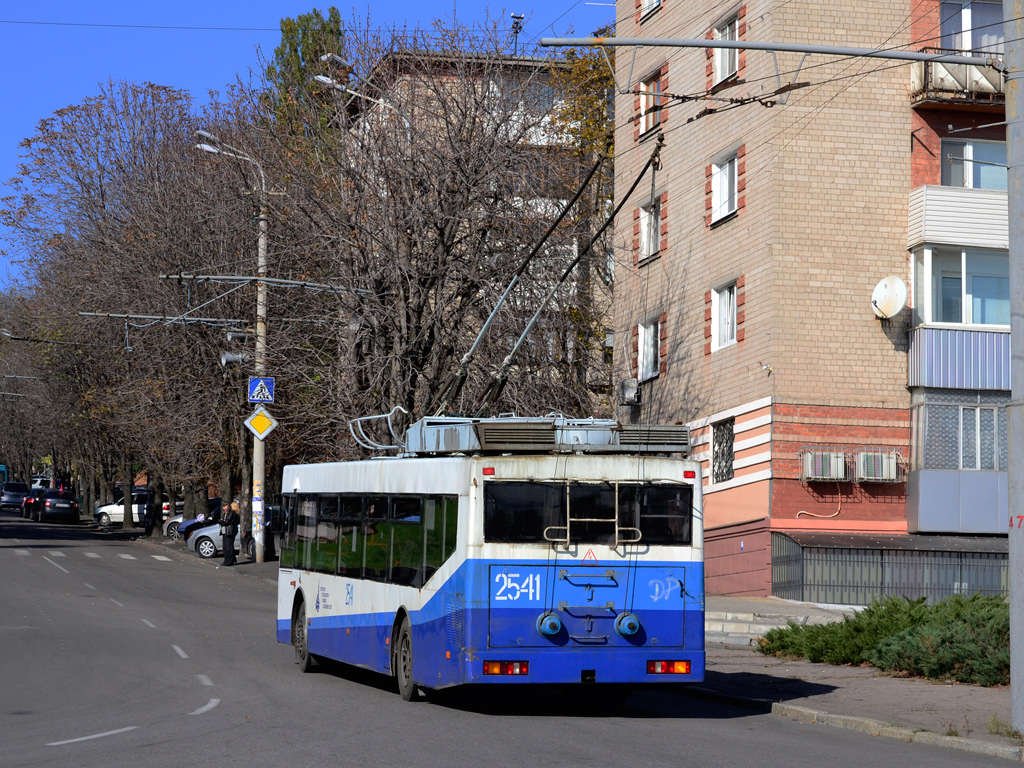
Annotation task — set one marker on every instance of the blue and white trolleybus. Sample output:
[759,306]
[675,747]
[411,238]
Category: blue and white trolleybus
[503,551]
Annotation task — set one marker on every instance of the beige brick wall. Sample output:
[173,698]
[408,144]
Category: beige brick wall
[827,180]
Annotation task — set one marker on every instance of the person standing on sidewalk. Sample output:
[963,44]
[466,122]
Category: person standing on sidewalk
[228,531]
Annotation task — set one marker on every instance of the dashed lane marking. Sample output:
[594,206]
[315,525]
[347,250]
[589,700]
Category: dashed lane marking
[149,623]
[55,565]
[127,557]
[177,650]
[210,705]
[94,736]
[56,553]
[92,554]
[119,605]
[88,586]
[162,557]
[21,551]
[204,680]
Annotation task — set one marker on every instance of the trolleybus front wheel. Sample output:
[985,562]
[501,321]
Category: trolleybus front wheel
[303,657]
[403,662]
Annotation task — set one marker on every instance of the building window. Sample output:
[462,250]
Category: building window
[971,25]
[726,59]
[979,440]
[649,348]
[722,453]
[723,316]
[723,187]
[650,103]
[648,6]
[650,228]
[974,164]
[962,286]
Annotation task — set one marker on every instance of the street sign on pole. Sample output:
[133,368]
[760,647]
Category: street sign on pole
[261,389]
[261,423]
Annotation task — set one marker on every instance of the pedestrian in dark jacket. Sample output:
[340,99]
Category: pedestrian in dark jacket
[228,531]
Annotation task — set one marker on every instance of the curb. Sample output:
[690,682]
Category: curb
[862,724]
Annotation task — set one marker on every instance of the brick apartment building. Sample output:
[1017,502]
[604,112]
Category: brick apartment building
[846,456]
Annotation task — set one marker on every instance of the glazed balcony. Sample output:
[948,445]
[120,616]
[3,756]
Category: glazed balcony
[936,84]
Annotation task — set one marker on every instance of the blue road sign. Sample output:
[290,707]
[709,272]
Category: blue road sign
[261,389]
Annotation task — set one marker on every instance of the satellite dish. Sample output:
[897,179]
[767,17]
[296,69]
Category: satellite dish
[889,297]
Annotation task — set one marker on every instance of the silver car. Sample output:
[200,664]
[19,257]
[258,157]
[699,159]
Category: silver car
[206,542]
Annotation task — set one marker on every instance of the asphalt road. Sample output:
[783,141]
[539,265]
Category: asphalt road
[115,653]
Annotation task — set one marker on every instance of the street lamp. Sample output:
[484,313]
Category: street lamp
[259,465]
[343,64]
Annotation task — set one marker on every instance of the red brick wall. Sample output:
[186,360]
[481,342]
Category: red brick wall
[796,428]
[930,126]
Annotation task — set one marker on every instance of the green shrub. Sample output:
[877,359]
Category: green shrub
[966,639]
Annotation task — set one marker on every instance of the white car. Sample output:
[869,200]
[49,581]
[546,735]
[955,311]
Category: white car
[114,513]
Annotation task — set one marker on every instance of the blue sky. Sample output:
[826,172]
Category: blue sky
[55,52]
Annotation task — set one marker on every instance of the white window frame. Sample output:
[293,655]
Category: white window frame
[927,289]
[726,59]
[977,409]
[650,97]
[966,32]
[724,181]
[650,228]
[649,6]
[649,349]
[723,316]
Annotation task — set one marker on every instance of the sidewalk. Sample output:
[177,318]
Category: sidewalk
[859,698]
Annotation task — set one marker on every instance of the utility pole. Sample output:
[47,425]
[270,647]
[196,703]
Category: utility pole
[1013,28]
[259,463]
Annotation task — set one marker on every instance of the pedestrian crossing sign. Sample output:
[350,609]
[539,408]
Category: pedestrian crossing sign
[261,389]
[261,423]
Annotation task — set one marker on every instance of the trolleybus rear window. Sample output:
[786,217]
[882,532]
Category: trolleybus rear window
[587,513]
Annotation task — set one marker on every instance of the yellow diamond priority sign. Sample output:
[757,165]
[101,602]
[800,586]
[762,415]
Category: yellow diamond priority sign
[261,423]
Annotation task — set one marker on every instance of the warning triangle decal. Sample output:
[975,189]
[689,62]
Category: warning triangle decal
[590,558]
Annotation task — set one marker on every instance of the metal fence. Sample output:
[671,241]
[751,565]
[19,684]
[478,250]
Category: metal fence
[841,576]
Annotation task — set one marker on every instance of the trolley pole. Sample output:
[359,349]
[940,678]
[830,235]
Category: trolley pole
[1013,28]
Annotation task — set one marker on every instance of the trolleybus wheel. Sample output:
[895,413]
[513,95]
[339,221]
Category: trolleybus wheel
[403,662]
[303,657]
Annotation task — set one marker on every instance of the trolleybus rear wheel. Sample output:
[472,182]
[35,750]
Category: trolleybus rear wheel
[403,661]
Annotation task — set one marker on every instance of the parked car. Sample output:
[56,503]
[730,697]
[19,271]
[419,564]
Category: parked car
[56,504]
[12,495]
[187,527]
[29,502]
[207,542]
[113,513]
[171,523]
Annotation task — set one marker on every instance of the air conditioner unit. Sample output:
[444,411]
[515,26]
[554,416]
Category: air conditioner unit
[878,467]
[823,465]
[629,392]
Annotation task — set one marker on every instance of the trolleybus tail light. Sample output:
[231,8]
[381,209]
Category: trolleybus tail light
[506,667]
[488,470]
[668,667]
[689,474]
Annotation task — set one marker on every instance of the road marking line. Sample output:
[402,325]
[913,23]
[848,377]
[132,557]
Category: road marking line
[149,623]
[90,586]
[21,551]
[92,554]
[210,705]
[177,649]
[204,680]
[55,553]
[119,605]
[162,557]
[127,557]
[94,736]
[55,565]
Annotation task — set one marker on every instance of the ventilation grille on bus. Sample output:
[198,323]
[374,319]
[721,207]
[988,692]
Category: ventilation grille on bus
[537,436]
[661,437]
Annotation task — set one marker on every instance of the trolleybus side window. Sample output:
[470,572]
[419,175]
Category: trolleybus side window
[440,525]
[350,556]
[288,532]
[406,541]
[325,555]
[377,536]
[305,532]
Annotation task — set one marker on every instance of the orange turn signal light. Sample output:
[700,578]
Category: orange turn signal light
[506,667]
[668,667]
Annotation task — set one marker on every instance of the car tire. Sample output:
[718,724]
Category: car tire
[104,519]
[206,548]
[172,531]
[250,549]
[403,661]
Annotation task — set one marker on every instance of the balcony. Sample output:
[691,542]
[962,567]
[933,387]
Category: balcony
[948,85]
[959,358]
[975,218]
